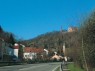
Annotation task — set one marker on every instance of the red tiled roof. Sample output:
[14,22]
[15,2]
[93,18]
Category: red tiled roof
[16,46]
[33,49]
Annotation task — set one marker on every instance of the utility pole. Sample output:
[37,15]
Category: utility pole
[64,49]
[84,56]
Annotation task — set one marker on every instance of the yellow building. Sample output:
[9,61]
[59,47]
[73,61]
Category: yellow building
[72,29]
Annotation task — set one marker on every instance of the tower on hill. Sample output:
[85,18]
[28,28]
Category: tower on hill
[72,29]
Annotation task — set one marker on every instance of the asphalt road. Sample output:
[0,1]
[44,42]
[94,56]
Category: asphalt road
[31,67]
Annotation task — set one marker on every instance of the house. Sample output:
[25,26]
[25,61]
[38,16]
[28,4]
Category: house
[12,50]
[72,29]
[32,52]
[57,57]
[1,53]
[8,51]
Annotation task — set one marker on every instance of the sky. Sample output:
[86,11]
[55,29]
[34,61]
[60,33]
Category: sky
[27,19]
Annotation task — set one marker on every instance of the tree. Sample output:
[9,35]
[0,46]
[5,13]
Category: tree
[87,33]
[10,38]
[20,53]
[1,30]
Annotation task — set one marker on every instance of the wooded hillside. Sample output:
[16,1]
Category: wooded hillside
[53,40]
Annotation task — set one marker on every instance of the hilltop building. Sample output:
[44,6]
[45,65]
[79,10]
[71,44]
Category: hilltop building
[72,29]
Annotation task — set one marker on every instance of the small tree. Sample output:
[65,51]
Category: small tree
[20,53]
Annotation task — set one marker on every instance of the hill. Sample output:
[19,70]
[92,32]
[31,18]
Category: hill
[53,40]
[7,36]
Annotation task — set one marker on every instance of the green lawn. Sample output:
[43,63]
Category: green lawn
[72,68]
[58,69]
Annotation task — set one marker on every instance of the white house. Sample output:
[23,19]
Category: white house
[8,49]
[16,48]
[13,51]
[31,52]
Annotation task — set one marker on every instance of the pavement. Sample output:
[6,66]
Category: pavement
[32,67]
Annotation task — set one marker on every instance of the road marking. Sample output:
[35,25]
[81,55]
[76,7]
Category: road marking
[55,68]
[31,67]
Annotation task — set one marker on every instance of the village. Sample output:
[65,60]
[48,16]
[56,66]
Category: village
[47,35]
[19,52]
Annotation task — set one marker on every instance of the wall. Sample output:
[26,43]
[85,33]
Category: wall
[30,55]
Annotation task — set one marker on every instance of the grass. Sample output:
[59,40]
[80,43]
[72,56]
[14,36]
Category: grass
[93,69]
[72,68]
[58,69]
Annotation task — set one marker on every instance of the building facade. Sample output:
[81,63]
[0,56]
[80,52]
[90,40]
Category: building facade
[72,29]
[32,52]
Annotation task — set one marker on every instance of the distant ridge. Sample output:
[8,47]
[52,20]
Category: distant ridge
[53,39]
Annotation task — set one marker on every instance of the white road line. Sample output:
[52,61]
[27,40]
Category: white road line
[31,67]
[55,68]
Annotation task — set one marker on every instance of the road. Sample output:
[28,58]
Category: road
[31,67]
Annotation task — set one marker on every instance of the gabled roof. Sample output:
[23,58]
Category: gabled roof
[33,49]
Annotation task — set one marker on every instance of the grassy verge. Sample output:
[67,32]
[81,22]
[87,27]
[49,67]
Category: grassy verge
[93,69]
[58,69]
[72,68]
